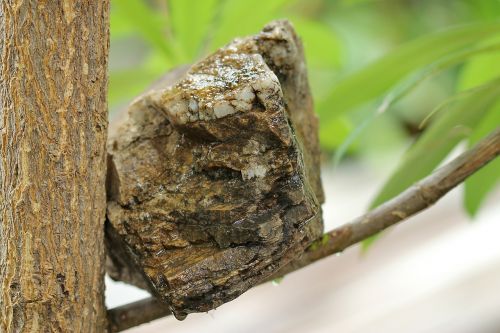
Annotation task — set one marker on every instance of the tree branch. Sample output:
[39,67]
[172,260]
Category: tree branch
[415,199]
[136,313]
[410,202]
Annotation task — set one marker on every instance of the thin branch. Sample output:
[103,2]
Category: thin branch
[410,202]
[415,199]
[136,313]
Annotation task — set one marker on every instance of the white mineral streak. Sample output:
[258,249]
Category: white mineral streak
[222,109]
[245,95]
[179,110]
[253,171]
[251,148]
[193,105]
[243,99]
[268,92]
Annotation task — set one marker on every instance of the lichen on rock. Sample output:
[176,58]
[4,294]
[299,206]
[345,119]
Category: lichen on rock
[213,181]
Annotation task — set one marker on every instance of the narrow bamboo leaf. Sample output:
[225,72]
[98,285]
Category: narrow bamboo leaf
[486,9]
[375,79]
[403,89]
[191,21]
[450,127]
[125,85]
[149,24]
[481,52]
[350,138]
[120,26]
[480,70]
[482,182]
[243,17]
[321,44]
[335,134]
[355,2]
[367,243]
[477,71]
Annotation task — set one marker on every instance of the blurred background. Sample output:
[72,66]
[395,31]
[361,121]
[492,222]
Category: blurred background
[400,86]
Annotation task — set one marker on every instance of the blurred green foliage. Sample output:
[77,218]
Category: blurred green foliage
[385,74]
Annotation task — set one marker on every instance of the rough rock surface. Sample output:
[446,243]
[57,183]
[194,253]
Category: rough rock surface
[213,182]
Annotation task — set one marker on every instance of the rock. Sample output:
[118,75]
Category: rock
[214,181]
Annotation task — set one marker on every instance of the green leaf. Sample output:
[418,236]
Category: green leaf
[485,9]
[120,24]
[398,93]
[451,126]
[125,85]
[149,24]
[482,182]
[481,52]
[368,242]
[335,133]
[348,138]
[277,281]
[321,44]
[479,70]
[243,17]
[376,78]
[355,2]
[191,21]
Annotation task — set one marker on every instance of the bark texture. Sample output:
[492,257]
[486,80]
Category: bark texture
[214,182]
[53,123]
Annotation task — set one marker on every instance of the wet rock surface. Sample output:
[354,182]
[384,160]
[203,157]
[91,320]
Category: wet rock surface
[213,180]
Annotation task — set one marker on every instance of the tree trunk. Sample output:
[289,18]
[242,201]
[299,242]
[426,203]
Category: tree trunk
[53,124]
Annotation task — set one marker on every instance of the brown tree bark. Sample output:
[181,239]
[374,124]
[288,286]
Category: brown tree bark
[53,124]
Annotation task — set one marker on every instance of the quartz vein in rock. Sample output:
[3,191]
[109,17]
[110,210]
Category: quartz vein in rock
[213,181]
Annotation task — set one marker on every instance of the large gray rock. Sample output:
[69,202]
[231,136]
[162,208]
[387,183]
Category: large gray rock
[214,181]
